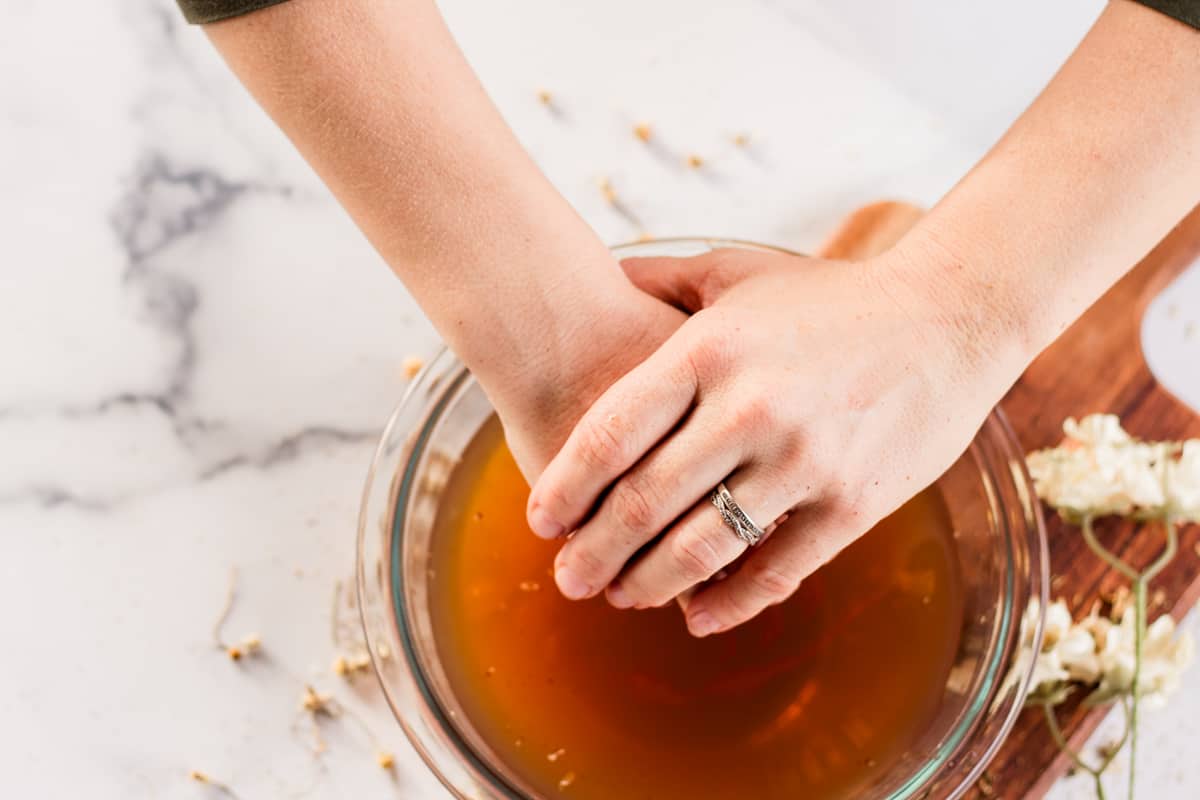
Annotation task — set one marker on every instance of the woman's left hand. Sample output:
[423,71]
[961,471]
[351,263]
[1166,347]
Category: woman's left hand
[827,391]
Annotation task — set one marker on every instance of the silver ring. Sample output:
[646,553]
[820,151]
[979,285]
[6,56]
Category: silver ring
[737,520]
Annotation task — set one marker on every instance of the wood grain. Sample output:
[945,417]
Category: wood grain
[1097,365]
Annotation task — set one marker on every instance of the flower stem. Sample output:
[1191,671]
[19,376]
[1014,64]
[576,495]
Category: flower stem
[1089,536]
[1116,748]
[1139,640]
[1061,741]
[1168,552]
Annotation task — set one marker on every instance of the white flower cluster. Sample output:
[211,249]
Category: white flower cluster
[1100,469]
[1098,651]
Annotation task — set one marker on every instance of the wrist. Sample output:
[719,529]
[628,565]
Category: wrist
[967,306]
[569,333]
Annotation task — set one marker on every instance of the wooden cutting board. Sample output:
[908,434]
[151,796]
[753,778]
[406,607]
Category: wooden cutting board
[1095,366]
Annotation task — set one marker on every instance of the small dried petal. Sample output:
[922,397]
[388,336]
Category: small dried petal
[566,780]
[694,161]
[606,189]
[385,760]
[316,703]
[234,652]
[556,755]
[251,644]
[741,139]
[411,366]
[341,666]
[643,131]
[199,777]
[545,97]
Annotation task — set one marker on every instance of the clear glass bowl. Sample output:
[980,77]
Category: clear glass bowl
[998,531]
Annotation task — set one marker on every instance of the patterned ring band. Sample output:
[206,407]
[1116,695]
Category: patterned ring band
[737,520]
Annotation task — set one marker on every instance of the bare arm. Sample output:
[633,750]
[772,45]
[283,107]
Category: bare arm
[1092,176]
[378,98]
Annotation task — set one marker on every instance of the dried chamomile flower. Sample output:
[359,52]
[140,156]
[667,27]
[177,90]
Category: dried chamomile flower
[411,366]
[349,667]
[317,704]
[1099,469]
[199,777]
[1164,658]
[606,189]
[1098,651]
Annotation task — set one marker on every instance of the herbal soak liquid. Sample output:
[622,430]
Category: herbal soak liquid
[810,700]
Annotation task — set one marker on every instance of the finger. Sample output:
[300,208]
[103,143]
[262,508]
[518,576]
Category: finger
[648,498]
[700,544]
[688,283]
[620,427]
[810,538]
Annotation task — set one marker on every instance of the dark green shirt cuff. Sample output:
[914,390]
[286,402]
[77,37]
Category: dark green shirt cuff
[199,12]
[1183,10]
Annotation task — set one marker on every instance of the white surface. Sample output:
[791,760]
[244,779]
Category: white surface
[198,348]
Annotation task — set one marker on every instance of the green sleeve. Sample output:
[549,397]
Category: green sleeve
[199,12]
[1187,11]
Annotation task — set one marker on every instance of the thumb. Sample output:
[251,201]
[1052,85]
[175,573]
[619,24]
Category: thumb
[689,283]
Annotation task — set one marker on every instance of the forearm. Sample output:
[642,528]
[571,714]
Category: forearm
[379,100]
[1089,179]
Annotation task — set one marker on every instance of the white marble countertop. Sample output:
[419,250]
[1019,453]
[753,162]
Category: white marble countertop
[199,349]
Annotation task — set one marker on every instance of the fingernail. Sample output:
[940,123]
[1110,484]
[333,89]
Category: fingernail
[543,524]
[570,584]
[618,597]
[702,624]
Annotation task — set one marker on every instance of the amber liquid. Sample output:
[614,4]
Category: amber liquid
[813,699]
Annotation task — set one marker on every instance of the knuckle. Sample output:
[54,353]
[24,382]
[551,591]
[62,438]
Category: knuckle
[601,445]
[754,413]
[585,562]
[632,506]
[736,608]
[553,496]
[713,281]
[708,355]
[695,557]
[770,582]
[641,594]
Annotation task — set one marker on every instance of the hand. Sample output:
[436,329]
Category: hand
[834,391]
[542,379]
